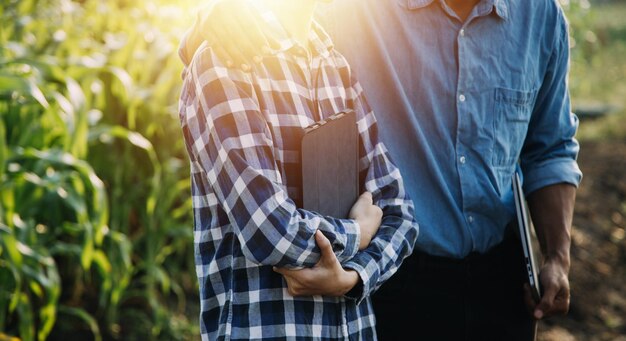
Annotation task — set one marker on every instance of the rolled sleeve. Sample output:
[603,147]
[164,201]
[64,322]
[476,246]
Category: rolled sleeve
[552,172]
[550,150]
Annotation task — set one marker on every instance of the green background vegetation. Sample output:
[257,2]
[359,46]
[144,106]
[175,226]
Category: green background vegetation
[95,210]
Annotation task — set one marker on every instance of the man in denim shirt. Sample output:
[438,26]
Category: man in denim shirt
[466,91]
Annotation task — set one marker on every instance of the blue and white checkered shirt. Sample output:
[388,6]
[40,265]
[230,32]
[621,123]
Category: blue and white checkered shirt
[242,131]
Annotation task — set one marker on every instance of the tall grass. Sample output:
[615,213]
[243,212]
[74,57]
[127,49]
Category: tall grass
[95,228]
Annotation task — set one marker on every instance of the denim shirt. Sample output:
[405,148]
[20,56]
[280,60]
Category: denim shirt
[461,105]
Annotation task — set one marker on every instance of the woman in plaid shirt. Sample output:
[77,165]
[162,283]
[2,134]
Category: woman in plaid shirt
[242,130]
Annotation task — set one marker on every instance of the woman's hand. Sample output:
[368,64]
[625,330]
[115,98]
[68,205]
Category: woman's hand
[326,278]
[368,216]
[235,32]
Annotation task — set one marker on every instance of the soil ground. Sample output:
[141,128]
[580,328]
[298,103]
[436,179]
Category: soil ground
[598,272]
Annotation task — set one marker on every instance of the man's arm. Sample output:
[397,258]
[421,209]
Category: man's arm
[551,175]
[552,209]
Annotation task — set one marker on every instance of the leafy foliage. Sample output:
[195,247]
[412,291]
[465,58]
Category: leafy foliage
[95,215]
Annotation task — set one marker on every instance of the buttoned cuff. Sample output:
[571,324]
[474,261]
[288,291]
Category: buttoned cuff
[367,268]
[550,173]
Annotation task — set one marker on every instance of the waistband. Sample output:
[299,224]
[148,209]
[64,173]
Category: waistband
[501,256]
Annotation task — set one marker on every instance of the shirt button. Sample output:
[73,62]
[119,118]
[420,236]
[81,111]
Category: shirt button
[462,32]
[470,219]
[462,159]
[462,98]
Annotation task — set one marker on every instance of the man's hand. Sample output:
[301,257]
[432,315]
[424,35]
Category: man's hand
[326,278]
[368,216]
[555,292]
[552,209]
[235,32]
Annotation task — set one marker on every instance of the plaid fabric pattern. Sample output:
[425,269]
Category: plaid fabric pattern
[242,131]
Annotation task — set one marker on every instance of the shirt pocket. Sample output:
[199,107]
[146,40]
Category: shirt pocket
[512,112]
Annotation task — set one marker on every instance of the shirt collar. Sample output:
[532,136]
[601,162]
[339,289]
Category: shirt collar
[501,8]
[415,4]
[319,41]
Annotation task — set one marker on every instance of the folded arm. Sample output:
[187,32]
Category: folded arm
[227,136]
[395,238]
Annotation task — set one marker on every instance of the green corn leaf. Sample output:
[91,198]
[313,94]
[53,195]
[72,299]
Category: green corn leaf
[106,133]
[88,247]
[10,83]
[163,278]
[44,284]
[80,132]
[48,310]
[27,320]
[67,249]
[66,114]
[76,94]
[6,290]
[34,285]
[12,259]
[26,86]
[84,316]
[104,268]
[47,66]
[37,94]
[3,150]
[47,315]
[10,246]
[7,198]
[74,196]
[125,80]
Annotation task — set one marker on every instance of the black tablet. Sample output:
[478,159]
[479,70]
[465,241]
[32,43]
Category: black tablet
[330,165]
[523,223]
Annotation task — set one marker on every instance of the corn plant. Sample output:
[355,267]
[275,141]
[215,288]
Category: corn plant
[95,216]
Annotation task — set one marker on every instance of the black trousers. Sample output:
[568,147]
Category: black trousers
[479,298]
